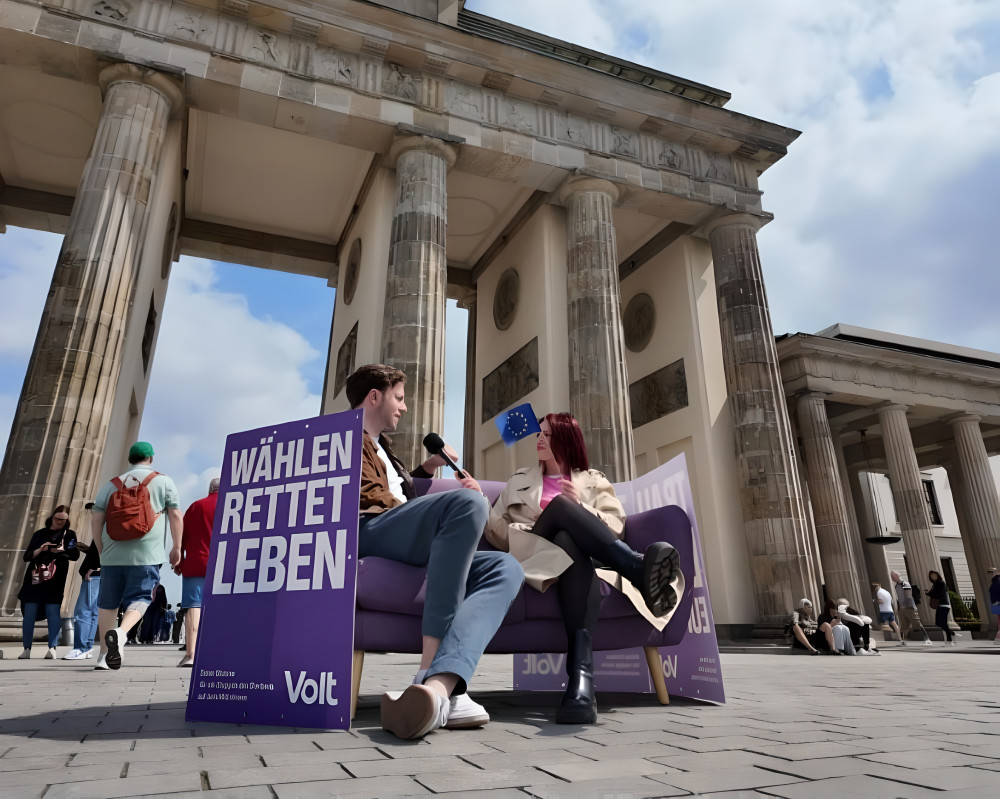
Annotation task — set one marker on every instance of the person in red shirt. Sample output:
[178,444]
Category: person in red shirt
[198,522]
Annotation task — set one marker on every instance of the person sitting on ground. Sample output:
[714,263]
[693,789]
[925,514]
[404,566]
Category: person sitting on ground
[807,633]
[841,635]
[859,625]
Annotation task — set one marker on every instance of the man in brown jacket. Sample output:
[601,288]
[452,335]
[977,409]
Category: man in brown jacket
[468,592]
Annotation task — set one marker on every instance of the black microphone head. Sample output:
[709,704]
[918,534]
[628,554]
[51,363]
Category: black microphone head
[434,443]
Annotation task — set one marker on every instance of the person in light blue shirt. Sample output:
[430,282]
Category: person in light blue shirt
[130,570]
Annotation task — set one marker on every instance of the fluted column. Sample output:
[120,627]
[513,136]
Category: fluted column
[827,494]
[980,509]
[865,509]
[770,493]
[62,418]
[909,499]
[598,383]
[413,337]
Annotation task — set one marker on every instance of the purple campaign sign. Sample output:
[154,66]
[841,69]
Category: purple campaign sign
[691,668]
[277,628]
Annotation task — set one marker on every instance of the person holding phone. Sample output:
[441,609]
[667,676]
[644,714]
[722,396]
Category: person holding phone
[48,555]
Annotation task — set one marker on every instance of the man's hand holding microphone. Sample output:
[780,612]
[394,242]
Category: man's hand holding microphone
[443,455]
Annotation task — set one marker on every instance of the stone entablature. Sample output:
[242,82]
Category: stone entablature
[863,371]
[335,62]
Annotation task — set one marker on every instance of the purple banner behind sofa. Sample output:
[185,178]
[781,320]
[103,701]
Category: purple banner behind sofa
[277,627]
[692,667]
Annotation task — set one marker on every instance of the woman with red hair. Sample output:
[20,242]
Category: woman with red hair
[558,517]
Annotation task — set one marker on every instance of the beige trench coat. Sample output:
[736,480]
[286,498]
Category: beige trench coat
[516,511]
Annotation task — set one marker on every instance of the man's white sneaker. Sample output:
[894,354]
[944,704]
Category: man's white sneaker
[413,713]
[464,713]
[952,643]
[927,642]
[51,654]
[102,664]
[25,655]
[78,654]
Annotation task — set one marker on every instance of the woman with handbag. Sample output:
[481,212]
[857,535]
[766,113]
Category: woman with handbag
[938,599]
[48,555]
[556,518]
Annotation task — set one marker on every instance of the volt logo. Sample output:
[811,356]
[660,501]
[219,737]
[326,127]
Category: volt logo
[668,665]
[545,664]
[311,691]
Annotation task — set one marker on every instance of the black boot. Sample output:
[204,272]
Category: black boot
[651,573]
[578,704]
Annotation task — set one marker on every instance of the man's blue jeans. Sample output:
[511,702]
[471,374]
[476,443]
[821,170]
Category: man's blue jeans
[85,614]
[468,592]
[32,610]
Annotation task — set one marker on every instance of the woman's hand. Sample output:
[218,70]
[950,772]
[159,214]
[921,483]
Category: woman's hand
[569,491]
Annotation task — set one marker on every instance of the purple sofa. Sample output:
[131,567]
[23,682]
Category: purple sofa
[390,601]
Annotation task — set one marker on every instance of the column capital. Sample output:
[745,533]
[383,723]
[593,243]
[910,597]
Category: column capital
[892,406]
[732,220]
[122,72]
[578,184]
[959,418]
[429,144]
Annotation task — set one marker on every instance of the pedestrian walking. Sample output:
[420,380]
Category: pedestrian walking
[906,604]
[85,613]
[940,601]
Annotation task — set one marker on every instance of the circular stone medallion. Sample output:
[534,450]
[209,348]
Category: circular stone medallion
[505,299]
[639,320]
[352,271]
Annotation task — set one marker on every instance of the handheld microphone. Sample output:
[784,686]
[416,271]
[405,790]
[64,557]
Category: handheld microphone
[435,446]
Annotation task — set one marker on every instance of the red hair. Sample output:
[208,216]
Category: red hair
[566,441]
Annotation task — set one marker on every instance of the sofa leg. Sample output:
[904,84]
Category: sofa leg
[656,673]
[356,667]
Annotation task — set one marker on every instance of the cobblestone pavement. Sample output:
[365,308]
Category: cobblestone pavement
[912,723]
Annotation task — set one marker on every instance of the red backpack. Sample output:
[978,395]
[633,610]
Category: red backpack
[130,514]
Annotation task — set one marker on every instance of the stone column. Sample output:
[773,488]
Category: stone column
[828,504]
[865,509]
[770,493]
[471,414]
[853,530]
[980,509]
[415,290]
[62,417]
[909,499]
[598,383]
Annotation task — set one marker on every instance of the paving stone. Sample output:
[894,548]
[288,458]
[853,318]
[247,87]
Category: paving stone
[944,779]
[320,757]
[924,758]
[410,766]
[147,768]
[540,758]
[727,779]
[603,769]
[810,751]
[440,782]
[247,792]
[114,788]
[374,787]
[852,786]
[626,788]
[234,778]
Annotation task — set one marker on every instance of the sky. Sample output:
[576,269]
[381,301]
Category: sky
[885,206]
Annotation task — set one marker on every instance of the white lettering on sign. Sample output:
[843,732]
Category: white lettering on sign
[289,458]
[311,691]
[668,491]
[300,503]
[303,562]
[668,665]
[699,623]
[545,664]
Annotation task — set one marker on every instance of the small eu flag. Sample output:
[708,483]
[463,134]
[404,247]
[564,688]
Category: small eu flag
[517,423]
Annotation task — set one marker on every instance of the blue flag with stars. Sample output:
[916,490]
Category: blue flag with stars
[517,423]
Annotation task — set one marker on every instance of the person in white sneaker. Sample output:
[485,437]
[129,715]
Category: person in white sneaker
[130,567]
[940,601]
[85,613]
[48,554]
[468,592]
[906,604]
[859,626]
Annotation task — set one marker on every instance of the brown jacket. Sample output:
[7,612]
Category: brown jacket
[375,494]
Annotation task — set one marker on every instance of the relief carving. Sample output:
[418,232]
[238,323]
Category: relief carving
[510,381]
[655,395]
[719,168]
[465,100]
[623,142]
[671,156]
[399,84]
[265,47]
[191,25]
[576,131]
[518,116]
[118,10]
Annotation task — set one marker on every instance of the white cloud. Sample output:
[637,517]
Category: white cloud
[218,369]
[27,260]
[899,107]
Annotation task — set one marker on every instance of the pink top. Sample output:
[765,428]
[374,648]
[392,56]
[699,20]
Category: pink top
[551,488]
